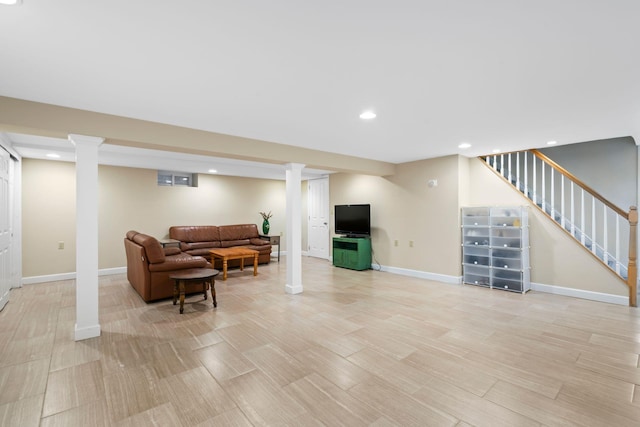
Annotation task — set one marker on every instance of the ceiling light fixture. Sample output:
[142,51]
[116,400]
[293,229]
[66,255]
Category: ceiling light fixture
[212,171]
[368,115]
[496,150]
[464,145]
[52,155]
[552,142]
[10,2]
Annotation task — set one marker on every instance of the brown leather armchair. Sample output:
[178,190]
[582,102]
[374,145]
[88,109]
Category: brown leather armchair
[149,266]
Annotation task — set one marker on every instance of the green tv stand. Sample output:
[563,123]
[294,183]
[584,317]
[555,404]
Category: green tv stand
[352,252]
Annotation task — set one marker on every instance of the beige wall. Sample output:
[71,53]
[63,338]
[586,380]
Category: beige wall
[405,209]
[48,217]
[556,259]
[130,199]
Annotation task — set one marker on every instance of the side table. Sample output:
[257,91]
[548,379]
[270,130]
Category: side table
[274,240]
[194,275]
[169,242]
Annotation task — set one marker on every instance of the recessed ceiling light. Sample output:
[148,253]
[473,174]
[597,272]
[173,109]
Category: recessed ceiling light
[368,115]
[496,150]
[464,145]
[552,142]
[53,156]
[10,2]
[212,171]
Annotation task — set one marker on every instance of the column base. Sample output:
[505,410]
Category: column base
[293,289]
[87,332]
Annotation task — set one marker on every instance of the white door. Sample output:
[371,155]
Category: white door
[318,200]
[5,229]
[15,213]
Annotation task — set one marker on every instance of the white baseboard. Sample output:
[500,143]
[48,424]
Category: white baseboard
[69,276]
[538,287]
[580,293]
[452,280]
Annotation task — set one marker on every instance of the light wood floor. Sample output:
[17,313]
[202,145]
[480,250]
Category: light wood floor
[356,348]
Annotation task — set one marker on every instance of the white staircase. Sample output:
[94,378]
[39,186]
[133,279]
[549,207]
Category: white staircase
[597,224]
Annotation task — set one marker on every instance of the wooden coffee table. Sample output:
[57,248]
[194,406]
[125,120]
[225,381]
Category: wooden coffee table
[196,275]
[225,254]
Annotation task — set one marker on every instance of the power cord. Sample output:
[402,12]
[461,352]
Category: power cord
[373,255]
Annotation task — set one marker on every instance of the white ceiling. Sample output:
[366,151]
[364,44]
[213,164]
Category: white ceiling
[505,74]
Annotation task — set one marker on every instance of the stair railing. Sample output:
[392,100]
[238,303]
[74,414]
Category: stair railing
[608,232]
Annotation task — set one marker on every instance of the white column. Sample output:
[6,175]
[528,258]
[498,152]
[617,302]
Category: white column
[87,322]
[294,228]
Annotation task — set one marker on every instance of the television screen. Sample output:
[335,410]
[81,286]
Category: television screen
[353,220]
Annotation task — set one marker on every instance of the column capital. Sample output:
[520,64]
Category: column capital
[76,139]
[294,166]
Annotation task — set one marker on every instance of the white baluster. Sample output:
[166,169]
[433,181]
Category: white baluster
[582,226]
[509,175]
[553,192]
[593,225]
[525,174]
[562,202]
[617,244]
[544,197]
[535,181]
[573,220]
[518,170]
[605,243]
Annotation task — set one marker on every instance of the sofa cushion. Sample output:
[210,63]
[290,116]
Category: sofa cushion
[230,243]
[202,245]
[196,233]
[172,250]
[238,232]
[155,253]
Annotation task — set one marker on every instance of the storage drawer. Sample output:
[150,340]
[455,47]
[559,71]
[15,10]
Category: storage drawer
[475,236]
[506,217]
[475,221]
[476,250]
[506,263]
[479,211]
[505,242]
[476,275]
[476,259]
[508,285]
[507,274]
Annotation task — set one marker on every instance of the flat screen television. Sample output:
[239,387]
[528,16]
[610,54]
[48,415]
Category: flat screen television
[353,220]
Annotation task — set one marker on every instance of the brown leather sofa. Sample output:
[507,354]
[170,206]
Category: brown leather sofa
[149,266]
[199,239]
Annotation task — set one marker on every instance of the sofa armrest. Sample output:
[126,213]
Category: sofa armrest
[179,262]
[259,242]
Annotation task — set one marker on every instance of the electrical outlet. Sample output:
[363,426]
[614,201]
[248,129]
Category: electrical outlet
[395,243]
[410,243]
[60,245]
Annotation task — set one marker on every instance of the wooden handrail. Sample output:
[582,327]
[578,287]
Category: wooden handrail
[632,268]
[573,178]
